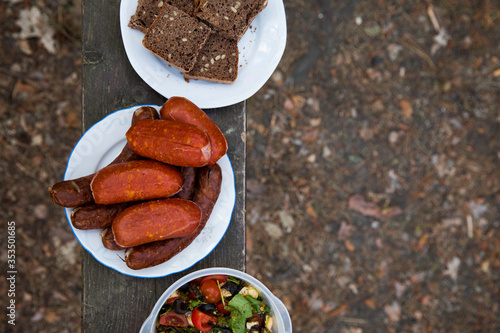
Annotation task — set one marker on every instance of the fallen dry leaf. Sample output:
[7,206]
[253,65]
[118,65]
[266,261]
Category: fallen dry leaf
[422,242]
[378,105]
[366,133]
[315,122]
[349,246]
[273,230]
[311,158]
[406,108]
[287,221]
[400,288]
[34,23]
[358,203]
[338,310]
[417,277]
[344,230]
[294,105]
[485,266]
[370,302]
[393,311]
[310,211]
[452,268]
[426,300]
[310,136]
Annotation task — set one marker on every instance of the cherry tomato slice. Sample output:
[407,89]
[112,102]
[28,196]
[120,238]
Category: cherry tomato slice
[201,320]
[174,319]
[221,278]
[211,291]
[171,300]
[221,308]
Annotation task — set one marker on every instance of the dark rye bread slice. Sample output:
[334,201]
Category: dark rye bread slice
[217,60]
[147,11]
[145,14]
[233,17]
[176,37]
[187,6]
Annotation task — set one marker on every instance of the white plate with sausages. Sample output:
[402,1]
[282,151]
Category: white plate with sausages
[261,49]
[97,148]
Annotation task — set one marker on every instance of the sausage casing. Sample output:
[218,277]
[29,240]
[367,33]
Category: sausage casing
[188,183]
[144,112]
[182,109]
[72,193]
[108,240]
[171,142]
[77,192]
[207,190]
[95,216]
[156,220]
[208,186]
[135,181]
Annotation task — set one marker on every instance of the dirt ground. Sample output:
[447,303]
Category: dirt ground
[373,173]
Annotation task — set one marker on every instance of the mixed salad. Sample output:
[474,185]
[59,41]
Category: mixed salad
[215,303]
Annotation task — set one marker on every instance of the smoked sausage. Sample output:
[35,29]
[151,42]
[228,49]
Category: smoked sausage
[156,220]
[182,109]
[76,192]
[135,181]
[108,240]
[72,193]
[144,112]
[95,216]
[208,186]
[188,183]
[207,190]
[171,142]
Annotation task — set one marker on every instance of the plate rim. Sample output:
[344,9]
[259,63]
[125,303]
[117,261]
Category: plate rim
[131,274]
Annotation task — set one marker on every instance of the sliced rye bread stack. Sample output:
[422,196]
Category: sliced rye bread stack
[176,31]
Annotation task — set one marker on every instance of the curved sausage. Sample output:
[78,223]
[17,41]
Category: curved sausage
[208,186]
[108,240]
[144,112]
[188,183]
[182,109]
[76,192]
[95,216]
[207,190]
[171,142]
[135,181]
[156,220]
[72,193]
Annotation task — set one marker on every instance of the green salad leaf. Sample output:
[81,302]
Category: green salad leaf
[257,306]
[194,303]
[241,304]
[241,310]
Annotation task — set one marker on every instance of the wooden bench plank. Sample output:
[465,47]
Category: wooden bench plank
[113,302]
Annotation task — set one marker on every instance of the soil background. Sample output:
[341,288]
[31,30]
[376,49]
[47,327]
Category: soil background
[373,165]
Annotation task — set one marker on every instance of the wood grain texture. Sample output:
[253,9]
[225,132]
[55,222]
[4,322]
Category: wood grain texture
[113,302]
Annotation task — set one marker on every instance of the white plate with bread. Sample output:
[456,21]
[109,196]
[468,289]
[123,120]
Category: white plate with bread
[260,50]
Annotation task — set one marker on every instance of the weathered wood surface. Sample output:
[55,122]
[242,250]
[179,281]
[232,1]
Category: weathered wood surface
[113,302]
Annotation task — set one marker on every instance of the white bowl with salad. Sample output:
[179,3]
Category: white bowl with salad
[218,300]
